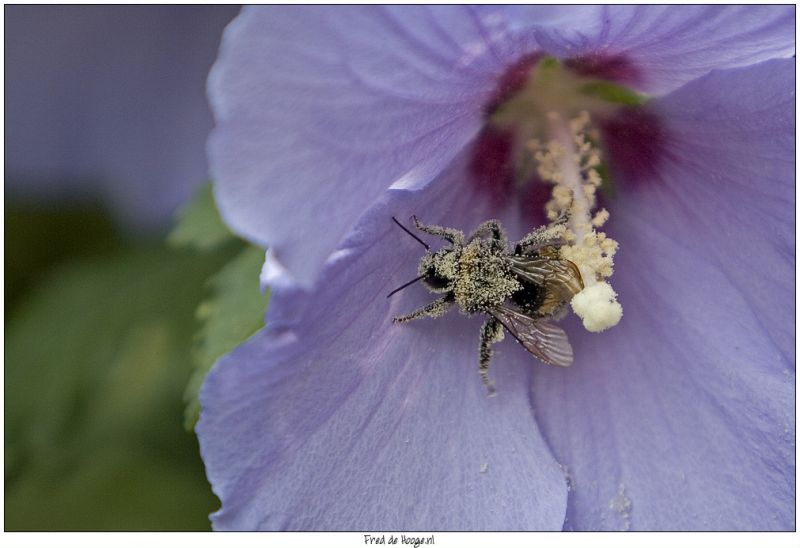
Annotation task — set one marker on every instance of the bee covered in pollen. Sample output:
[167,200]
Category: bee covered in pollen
[519,292]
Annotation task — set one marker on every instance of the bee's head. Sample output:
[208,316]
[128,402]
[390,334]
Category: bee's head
[439,270]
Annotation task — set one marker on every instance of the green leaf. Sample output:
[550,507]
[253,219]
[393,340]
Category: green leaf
[235,308]
[233,312]
[97,358]
[613,93]
[199,224]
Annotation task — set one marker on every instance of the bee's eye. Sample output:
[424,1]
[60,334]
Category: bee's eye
[433,279]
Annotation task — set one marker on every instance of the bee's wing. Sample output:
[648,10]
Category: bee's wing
[560,279]
[545,340]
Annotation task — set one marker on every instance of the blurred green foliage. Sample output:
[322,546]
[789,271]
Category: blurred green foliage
[233,312]
[234,309]
[101,341]
[199,225]
[36,238]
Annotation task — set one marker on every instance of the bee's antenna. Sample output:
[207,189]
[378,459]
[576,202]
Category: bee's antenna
[412,235]
[405,285]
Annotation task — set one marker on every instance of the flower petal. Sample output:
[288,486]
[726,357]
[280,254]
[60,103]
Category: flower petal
[333,418]
[321,109]
[670,45]
[682,417]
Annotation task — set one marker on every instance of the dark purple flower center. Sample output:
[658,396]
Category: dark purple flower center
[512,80]
[631,135]
[615,68]
[633,140]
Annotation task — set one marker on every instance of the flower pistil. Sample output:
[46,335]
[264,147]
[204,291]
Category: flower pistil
[569,161]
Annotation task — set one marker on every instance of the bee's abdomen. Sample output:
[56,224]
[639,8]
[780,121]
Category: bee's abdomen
[530,297]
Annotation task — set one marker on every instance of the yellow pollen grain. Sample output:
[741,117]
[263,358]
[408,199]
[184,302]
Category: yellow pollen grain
[594,178]
[600,218]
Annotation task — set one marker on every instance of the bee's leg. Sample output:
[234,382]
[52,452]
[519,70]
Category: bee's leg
[490,228]
[431,310]
[563,217]
[536,240]
[491,332]
[450,234]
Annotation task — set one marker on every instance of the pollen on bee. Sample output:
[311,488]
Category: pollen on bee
[476,266]
[568,161]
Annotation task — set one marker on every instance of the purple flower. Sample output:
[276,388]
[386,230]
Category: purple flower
[332,120]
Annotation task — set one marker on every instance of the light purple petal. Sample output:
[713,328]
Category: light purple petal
[682,417]
[333,418]
[669,45]
[321,109]
[108,102]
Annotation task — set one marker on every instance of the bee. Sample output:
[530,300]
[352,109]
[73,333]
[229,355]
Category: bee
[519,292]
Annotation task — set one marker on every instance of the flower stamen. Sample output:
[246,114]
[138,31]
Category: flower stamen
[568,161]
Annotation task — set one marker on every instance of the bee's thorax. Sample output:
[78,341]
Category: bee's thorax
[484,277]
